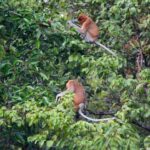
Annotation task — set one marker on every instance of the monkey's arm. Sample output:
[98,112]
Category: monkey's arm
[58,96]
[86,25]
[77,28]
[81,31]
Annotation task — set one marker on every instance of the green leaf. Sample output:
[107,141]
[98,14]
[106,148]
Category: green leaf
[49,143]
[43,76]
[37,44]
[2,52]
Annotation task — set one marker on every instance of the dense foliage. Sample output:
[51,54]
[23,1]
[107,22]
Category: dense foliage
[39,53]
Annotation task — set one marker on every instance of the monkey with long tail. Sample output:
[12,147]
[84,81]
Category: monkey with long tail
[79,100]
[89,30]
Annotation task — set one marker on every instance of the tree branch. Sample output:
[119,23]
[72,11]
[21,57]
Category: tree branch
[141,126]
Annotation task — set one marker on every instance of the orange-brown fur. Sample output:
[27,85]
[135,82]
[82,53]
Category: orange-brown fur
[88,26]
[79,91]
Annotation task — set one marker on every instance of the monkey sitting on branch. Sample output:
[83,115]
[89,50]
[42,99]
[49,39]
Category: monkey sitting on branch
[79,99]
[89,30]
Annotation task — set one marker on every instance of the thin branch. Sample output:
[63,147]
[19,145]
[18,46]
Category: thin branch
[141,126]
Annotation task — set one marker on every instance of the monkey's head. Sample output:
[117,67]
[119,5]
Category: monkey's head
[82,18]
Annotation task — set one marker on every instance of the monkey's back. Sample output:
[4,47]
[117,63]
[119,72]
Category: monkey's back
[80,95]
[93,30]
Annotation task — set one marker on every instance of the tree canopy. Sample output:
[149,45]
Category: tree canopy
[39,53]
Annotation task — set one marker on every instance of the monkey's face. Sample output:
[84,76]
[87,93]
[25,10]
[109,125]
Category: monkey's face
[82,18]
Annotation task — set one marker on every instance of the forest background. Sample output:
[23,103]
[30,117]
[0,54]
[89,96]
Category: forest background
[39,53]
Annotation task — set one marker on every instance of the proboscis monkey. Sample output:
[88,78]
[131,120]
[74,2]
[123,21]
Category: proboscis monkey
[77,88]
[79,99]
[89,30]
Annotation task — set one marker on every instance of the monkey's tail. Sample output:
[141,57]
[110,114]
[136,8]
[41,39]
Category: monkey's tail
[81,107]
[104,47]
